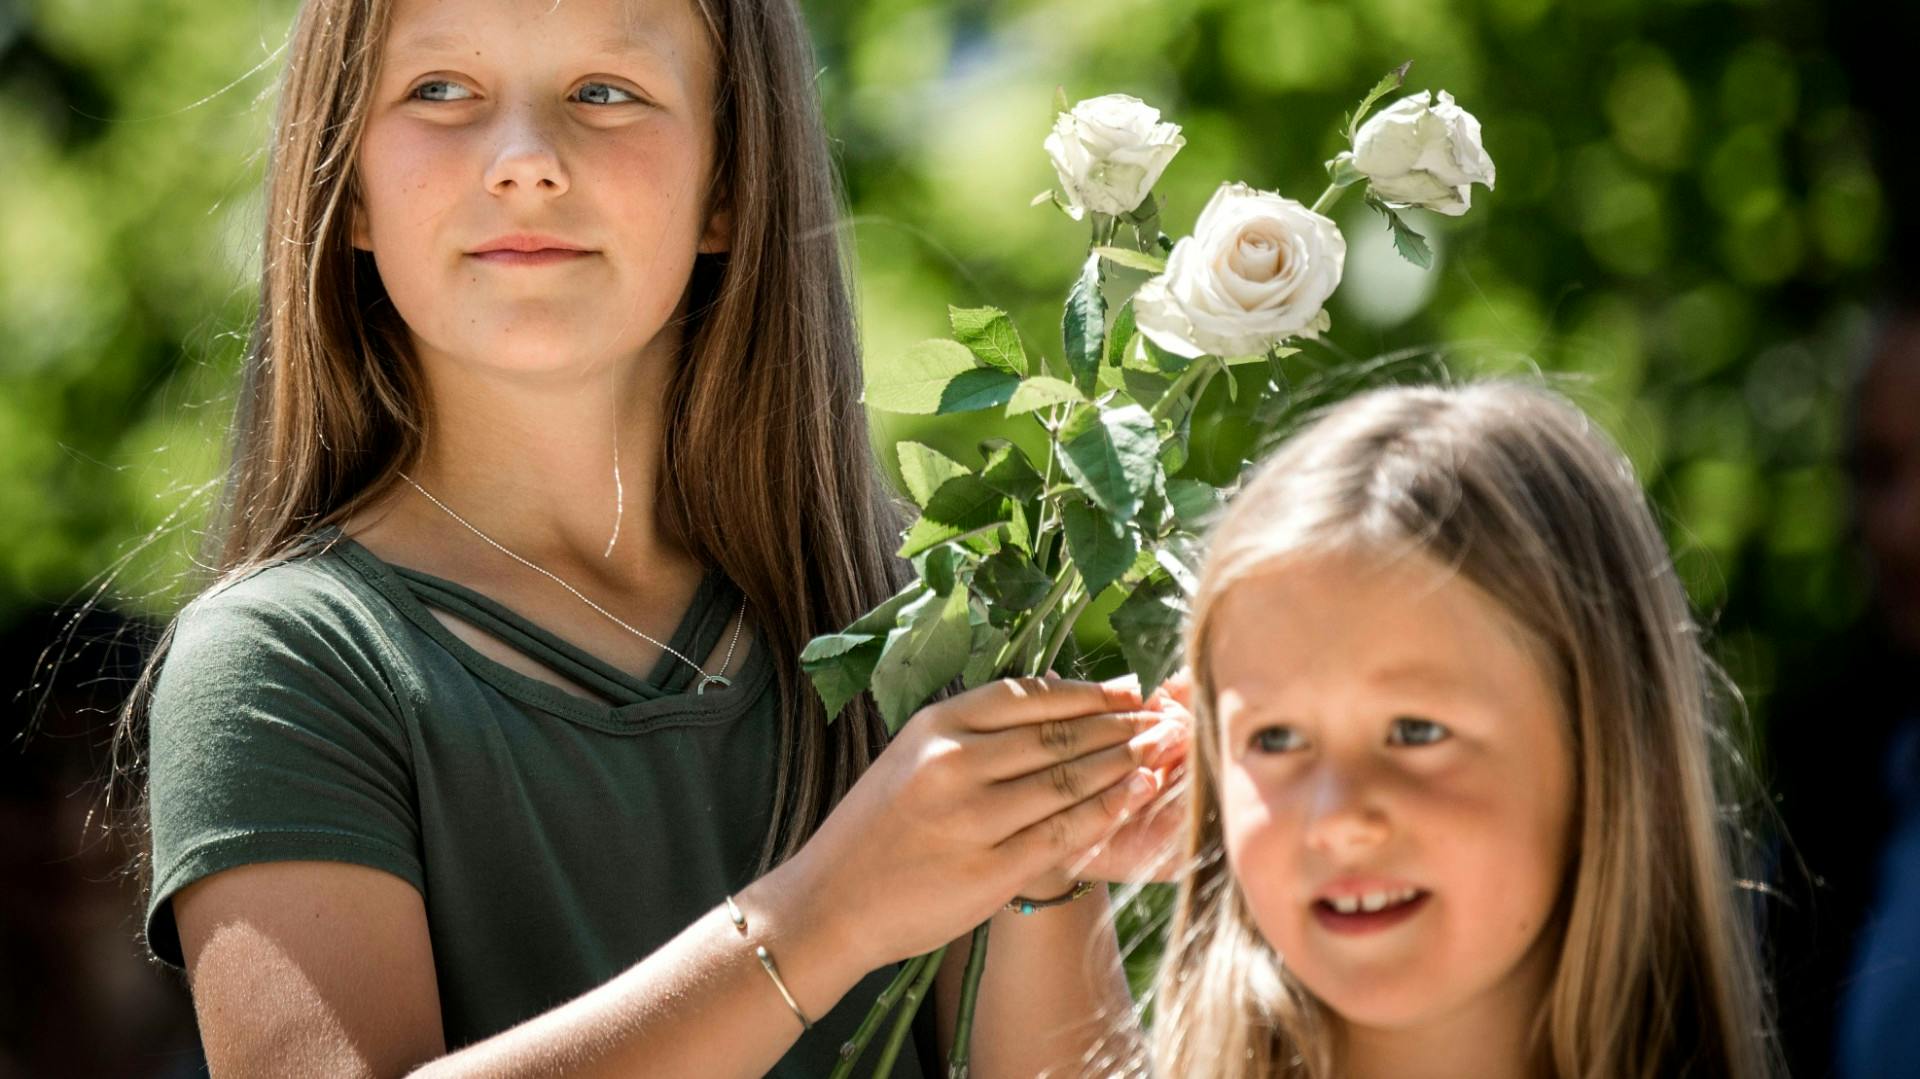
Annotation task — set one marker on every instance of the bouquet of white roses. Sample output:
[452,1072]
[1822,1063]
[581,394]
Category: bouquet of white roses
[1010,553]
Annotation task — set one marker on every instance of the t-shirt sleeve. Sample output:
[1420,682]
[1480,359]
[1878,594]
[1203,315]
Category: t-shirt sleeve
[277,733]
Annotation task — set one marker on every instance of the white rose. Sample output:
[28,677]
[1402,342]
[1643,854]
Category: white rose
[1416,154]
[1257,270]
[1109,152]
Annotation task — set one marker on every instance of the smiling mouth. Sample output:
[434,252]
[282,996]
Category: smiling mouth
[1369,912]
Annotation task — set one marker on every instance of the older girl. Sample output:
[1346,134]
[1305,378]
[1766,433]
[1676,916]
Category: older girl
[488,750]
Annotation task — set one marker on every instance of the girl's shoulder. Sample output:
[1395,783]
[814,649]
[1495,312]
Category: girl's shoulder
[313,582]
[312,610]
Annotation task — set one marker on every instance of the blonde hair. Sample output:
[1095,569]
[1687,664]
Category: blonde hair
[766,470]
[1511,486]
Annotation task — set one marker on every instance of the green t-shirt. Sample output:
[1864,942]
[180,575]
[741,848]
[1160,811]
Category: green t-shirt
[317,710]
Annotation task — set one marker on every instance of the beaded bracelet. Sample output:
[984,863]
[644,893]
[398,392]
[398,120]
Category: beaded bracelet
[766,962]
[1023,905]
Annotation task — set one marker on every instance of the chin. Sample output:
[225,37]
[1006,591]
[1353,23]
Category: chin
[1389,1001]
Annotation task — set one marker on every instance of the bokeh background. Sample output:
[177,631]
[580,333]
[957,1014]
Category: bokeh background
[1699,203]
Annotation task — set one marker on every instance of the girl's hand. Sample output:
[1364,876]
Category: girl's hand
[1146,845]
[976,796]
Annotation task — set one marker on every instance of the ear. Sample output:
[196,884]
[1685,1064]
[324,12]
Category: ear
[718,236]
[362,236]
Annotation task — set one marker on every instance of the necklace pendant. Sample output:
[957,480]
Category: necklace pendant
[701,689]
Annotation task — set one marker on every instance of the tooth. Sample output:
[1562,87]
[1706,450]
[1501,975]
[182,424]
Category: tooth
[1373,901]
[1346,904]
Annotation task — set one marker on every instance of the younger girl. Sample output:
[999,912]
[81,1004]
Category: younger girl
[488,751]
[1454,805]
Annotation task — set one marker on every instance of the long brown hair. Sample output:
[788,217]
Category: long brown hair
[763,408]
[1657,969]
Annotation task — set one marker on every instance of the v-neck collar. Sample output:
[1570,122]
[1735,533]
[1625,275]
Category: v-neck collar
[628,701]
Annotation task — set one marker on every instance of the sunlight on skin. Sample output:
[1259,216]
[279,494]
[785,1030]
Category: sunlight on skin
[1385,726]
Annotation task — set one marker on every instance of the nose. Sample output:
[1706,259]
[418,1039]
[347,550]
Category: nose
[527,159]
[1344,820]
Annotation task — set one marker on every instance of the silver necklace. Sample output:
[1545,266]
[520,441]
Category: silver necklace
[705,678]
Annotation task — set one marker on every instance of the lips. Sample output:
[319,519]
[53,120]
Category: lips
[528,242]
[546,257]
[1357,912]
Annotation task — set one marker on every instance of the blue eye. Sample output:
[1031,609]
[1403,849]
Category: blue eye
[605,86]
[1411,731]
[414,95]
[1277,740]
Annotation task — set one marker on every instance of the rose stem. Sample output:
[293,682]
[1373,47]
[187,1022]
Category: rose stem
[904,1021]
[969,993]
[850,1052]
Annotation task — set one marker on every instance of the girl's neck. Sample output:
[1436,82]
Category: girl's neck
[530,461]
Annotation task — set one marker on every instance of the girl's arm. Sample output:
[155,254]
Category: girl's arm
[311,968]
[1053,995]
[1053,999]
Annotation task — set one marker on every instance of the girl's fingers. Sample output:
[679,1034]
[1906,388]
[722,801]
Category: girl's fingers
[1163,744]
[1014,702]
[1031,799]
[1019,751]
[1064,835]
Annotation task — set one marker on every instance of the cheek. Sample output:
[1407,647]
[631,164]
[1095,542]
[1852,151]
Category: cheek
[407,183]
[1503,854]
[1262,849]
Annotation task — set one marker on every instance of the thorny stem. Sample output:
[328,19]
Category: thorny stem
[969,995]
[1038,615]
[850,1052]
[904,1022]
[1065,627]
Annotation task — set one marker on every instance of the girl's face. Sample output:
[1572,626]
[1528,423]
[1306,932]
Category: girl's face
[586,121]
[1396,782]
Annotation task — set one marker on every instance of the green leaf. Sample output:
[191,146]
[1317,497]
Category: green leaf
[840,665]
[881,620]
[980,388]
[1133,260]
[1111,455]
[917,381]
[1102,548]
[1144,565]
[1011,581]
[925,470]
[1147,625]
[1259,357]
[928,650]
[1041,392]
[938,566]
[1388,83]
[1410,244]
[990,335]
[1170,363]
[1083,324]
[982,666]
[1193,502]
[1008,471]
[1181,556]
[962,505]
[1120,335]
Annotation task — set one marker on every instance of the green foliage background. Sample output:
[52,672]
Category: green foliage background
[1685,223]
